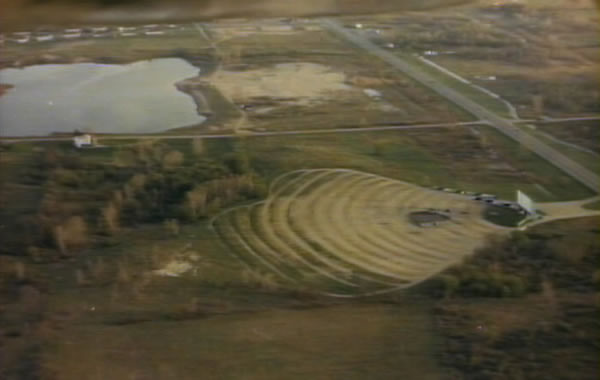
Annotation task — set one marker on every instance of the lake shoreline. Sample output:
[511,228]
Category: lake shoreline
[89,90]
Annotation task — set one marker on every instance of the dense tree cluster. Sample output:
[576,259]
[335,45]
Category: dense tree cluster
[519,265]
[83,199]
[547,328]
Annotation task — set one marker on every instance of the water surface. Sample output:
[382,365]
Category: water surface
[140,97]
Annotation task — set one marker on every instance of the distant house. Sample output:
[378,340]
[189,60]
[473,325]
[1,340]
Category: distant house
[45,37]
[276,28]
[83,141]
[371,93]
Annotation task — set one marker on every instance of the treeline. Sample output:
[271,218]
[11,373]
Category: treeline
[561,345]
[86,200]
[519,265]
[424,35]
[524,307]
[155,197]
[560,95]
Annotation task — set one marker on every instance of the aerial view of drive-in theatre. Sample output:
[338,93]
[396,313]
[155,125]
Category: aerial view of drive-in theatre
[409,193]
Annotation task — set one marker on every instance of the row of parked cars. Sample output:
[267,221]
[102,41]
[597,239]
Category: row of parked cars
[490,199]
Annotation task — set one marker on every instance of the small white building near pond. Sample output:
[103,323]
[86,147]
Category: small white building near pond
[83,141]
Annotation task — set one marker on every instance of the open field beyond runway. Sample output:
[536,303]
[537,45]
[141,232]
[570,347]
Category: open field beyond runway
[348,232]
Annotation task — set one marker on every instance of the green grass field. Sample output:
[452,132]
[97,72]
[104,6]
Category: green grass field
[214,322]
[586,159]
[580,140]
[466,90]
[593,205]
[481,161]
[503,216]
[350,342]
[583,133]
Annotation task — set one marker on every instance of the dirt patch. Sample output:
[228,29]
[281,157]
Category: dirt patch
[296,83]
[178,265]
[427,218]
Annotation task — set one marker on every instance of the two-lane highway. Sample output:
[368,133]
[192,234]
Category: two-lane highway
[582,174]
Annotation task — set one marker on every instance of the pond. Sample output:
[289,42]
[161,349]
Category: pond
[140,97]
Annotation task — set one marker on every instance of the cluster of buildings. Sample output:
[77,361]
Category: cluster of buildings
[46,35]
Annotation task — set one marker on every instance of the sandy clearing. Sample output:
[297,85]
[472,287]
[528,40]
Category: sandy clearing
[299,83]
[174,268]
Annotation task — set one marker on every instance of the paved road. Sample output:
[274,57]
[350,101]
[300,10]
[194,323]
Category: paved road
[550,120]
[583,175]
[564,210]
[296,132]
[249,133]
